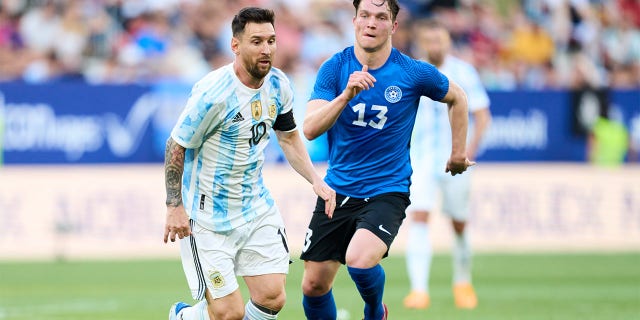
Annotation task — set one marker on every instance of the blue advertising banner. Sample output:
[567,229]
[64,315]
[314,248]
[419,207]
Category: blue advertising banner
[67,123]
[531,126]
[80,123]
[541,125]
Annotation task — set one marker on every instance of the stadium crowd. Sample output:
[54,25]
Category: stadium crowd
[526,44]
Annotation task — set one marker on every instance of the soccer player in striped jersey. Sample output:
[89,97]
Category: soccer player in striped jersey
[429,153]
[217,203]
[366,98]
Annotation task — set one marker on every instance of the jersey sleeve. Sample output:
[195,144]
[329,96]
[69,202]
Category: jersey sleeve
[197,121]
[432,82]
[476,93]
[326,86]
[287,95]
[285,120]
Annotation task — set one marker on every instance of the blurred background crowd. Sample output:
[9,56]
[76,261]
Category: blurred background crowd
[525,44]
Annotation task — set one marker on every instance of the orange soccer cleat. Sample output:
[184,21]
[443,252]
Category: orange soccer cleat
[464,296]
[417,300]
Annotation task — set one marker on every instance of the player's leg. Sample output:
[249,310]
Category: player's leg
[267,296]
[263,261]
[456,205]
[419,255]
[363,263]
[208,262]
[317,284]
[419,251]
[227,307]
[324,250]
[379,221]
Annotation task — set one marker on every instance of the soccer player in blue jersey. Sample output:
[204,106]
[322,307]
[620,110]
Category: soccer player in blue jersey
[366,98]
[429,153]
[217,203]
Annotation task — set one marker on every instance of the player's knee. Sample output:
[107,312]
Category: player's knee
[458,226]
[315,287]
[420,216]
[362,260]
[274,300]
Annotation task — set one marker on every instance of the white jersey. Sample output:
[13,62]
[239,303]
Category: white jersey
[225,129]
[431,139]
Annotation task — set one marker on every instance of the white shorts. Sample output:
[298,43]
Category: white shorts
[426,185]
[213,260]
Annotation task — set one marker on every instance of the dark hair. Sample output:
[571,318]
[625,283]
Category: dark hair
[251,14]
[393,5]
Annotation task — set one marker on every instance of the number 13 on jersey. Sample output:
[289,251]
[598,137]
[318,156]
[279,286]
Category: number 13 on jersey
[360,108]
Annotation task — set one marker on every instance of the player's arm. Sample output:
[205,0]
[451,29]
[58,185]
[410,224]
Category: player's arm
[479,107]
[177,223]
[322,114]
[456,100]
[481,121]
[298,157]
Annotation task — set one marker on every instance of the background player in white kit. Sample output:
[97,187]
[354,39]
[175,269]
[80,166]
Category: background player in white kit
[213,172]
[430,148]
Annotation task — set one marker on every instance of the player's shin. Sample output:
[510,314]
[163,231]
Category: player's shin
[419,255]
[321,307]
[370,284]
[254,311]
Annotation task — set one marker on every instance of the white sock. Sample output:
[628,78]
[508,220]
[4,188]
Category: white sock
[462,258]
[419,254]
[196,312]
[251,312]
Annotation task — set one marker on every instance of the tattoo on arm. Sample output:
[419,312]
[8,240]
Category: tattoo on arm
[173,168]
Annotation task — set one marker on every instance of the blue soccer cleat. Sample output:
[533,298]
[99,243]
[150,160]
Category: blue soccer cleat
[175,310]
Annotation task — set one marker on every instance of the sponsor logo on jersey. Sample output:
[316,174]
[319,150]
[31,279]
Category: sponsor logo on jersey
[237,118]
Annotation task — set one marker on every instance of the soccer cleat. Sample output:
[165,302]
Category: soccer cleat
[175,310]
[417,300]
[464,296]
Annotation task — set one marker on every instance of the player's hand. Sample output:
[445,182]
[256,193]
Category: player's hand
[458,165]
[329,195]
[358,81]
[177,224]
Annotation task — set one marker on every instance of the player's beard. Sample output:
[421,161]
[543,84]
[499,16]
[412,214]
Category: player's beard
[436,58]
[258,72]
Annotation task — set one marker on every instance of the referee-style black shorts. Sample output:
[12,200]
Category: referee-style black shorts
[328,239]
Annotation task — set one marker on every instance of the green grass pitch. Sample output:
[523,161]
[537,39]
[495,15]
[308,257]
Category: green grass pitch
[532,286]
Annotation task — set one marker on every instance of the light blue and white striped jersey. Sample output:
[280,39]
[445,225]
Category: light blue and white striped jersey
[431,139]
[225,128]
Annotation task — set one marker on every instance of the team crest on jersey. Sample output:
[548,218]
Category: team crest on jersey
[272,110]
[256,109]
[393,94]
[216,279]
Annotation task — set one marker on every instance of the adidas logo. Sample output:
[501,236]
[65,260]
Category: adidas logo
[237,118]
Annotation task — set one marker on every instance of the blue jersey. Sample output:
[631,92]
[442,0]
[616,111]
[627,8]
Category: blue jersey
[369,143]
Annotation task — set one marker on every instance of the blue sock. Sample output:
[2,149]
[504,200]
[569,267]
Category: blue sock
[370,284]
[320,308]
